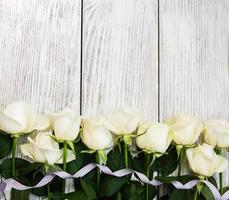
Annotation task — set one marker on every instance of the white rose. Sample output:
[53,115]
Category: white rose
[217,133]
[204,161]
[20,117]
[66,124]
[154,137]
[123,121]
[186,129]
[95,135]
[43,149]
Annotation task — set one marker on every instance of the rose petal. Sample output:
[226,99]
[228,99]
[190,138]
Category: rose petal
[220,163]
[17,112]
[42,122]
[67,128]
[27,150]
[10,125]
[44,154]
[70,156]
[189,154]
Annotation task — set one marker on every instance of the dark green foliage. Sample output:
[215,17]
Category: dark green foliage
[5,144]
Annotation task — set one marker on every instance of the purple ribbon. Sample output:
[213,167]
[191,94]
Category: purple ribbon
[120,173]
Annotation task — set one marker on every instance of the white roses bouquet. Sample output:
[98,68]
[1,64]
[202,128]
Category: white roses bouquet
[66,141]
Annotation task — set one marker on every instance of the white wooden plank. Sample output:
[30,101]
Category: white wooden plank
[120,55]
[194,59]
[40,53]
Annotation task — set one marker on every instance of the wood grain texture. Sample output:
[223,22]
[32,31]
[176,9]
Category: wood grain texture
[40,48]
[194,67]
[40,53]
[120,55]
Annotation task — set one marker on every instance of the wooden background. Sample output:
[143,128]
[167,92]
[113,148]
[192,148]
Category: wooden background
[162,56]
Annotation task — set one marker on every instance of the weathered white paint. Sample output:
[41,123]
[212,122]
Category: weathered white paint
[194,59]
[120,55]
[40,53]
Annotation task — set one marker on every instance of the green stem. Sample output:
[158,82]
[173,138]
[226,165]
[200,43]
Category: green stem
[15,140]
[158,188]
[65,156]
[64,162]
[46,166]
[119,196]
[147,170]
[180,161]
[98,172]
[221,183]
[195,194]
[219,152]
[179,168]
[126,155]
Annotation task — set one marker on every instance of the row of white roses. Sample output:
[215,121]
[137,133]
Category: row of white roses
[100,133]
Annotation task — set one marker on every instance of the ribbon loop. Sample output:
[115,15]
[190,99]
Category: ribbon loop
[120,173]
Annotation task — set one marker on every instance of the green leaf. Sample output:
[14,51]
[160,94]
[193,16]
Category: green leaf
[111,185]
[115,159]
[167,163]
[31,168]
[71,167]
[212,180]
[81,158]
[166,197]
[5,144]
[169,179]
[225,189]
[42,191]
[206,192]
[135,191]
[24,168]
[181,195]
[79,195]
[88,189]
[138,163]
[71,144]
[55,186]
[118,196]
[19,195]
[25,174]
